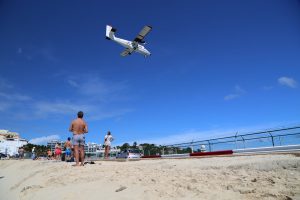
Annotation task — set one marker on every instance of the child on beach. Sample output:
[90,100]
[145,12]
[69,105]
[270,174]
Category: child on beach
[49,154]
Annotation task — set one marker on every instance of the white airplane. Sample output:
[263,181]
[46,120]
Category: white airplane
[131,46]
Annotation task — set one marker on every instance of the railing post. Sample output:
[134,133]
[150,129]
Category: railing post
[236,139]
[209,146]
[192,146]
[243,141]
[280,141]
[272,138]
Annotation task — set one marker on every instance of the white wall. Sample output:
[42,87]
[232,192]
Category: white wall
[11,146]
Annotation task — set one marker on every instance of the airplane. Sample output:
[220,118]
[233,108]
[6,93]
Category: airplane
[130,46]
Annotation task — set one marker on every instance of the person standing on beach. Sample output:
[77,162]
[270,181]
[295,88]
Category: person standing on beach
[21,153]
[68,146]
[107,143]
[57,151]
[49,154]
[79,128]
[33,153]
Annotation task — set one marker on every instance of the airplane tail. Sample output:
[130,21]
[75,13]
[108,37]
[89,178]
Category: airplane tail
[110,32]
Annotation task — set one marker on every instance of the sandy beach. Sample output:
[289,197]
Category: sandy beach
[238,177]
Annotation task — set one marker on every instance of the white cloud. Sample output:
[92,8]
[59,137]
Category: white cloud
[44,139]
[95,112]
[238,92]
[4,106]
[16,97]
[98,89]
[99,115]
[72,83]
[98,99]
[45,108]
[32,52]
[231,96]
[4,84]
[286,81]
[188,136]
[20,50]
[9,99]
[48,54]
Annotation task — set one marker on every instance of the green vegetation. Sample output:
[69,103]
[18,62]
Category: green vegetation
[152,149]
[40,150]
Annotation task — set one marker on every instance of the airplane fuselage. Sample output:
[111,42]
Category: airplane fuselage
[132,45]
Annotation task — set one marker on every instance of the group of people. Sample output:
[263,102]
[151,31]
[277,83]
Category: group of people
[75,147]
[58,151]
[79,127]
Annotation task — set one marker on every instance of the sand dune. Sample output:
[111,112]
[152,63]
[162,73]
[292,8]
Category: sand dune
[240,177]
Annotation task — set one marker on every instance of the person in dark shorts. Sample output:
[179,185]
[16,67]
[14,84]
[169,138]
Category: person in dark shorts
[79,128]
[21,153]
[49,154]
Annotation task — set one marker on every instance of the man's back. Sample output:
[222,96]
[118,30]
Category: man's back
[78,126]
[68,144]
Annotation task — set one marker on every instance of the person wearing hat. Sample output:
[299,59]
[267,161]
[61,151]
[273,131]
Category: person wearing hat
[68,146]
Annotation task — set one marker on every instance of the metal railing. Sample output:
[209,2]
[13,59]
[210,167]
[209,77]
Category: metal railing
[267,138]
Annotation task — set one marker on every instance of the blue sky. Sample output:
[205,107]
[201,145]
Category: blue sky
[216,67]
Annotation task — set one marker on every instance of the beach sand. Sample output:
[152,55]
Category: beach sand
[236,177]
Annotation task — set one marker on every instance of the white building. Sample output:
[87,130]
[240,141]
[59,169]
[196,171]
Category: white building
[113,152]
[10,142]
[90,148]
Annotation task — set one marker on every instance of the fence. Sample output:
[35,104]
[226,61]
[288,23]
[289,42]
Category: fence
[268,138]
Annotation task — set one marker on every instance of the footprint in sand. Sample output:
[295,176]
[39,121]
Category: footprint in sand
[31,187]
[25,179]
[29,190]
[121,189]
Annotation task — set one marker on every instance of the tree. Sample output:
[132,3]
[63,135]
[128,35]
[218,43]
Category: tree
[40,150]
[150,149]
[125,146]
[134,145]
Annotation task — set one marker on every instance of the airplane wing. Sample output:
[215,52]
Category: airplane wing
[126,52]
[139,38]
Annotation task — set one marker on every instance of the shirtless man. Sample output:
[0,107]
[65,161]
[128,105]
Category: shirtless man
[79,128]
[68,146]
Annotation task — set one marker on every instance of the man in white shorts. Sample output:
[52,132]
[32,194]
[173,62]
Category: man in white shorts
[107,143]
